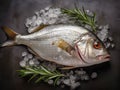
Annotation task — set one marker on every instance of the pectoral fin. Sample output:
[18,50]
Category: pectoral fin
[63,45]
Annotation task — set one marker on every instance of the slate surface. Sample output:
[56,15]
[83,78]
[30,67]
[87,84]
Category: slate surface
[13,14]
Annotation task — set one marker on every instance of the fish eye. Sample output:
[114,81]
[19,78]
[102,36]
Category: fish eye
[97,45]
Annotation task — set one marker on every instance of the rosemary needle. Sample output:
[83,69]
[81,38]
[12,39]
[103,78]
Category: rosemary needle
[40,73]
[81,16]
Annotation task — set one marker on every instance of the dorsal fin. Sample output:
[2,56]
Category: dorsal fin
[39,28]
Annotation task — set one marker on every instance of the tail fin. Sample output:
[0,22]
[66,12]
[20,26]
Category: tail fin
[11,35]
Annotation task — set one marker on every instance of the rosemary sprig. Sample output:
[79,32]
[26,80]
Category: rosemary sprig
[81,16]
[40,73]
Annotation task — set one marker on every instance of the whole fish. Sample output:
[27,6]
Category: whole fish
[69,45]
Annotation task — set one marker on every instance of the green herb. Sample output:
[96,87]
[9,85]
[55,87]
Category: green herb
[40,74]
[81,16]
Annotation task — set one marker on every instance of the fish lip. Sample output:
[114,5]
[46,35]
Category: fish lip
[103,57]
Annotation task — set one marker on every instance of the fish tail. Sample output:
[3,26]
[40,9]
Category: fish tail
[11,37]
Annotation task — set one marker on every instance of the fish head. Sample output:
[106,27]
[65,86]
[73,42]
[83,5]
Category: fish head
[91,50]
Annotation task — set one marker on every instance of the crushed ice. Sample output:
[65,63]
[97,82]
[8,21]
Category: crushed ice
[46,16]
[54,16]
[72,78]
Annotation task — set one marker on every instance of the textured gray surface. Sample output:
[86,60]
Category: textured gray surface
[13,14]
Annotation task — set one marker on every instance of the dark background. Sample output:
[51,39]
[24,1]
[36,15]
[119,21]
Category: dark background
[13,14]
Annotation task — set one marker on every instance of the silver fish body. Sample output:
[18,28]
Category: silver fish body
[51,42]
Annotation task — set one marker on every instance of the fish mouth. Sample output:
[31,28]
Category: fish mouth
[103,57]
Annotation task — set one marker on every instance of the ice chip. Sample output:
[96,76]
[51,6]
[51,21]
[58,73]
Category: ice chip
[103,34]
[106,27]
[36,62]
[108,45]
[88,27]
[25,58]
[110,38]
[52,21]
[47,8]
[31,63]
[22,63]
[94,75]
[100,27]
[50,82]
[58,82]
[62,86]
[75,85]
[24,54]
[89,13]
[72,77]
[66,82]
[112,45]
[84,77]
[30,56]
[42,11]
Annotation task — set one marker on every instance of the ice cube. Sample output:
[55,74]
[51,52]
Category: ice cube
[94,75]
[31,62]
[112,45]
[36,62]
[24,54]
[107,44]
[110,38]
[84,77]
[58,82]
[88,27]
[25,59]
[52,21]
[75,85]
[67,82]
[47,8]
[72,77]
[89,13]
[50,82]
[22,63]
[30,56]
[106,27]
[42,11]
